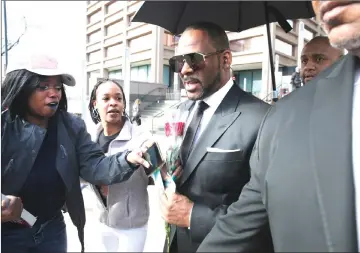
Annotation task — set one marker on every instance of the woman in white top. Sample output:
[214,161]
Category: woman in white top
[123,209]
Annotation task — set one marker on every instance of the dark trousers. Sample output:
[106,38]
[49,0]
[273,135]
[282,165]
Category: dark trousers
[47,237]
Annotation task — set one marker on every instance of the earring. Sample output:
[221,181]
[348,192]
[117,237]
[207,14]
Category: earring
[96,113]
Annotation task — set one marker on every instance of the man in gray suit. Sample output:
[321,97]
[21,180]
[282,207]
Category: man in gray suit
[221,130]
[306,186]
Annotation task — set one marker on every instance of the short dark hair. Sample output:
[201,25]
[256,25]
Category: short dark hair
[95,115]
[18,87]
[326,39]
[216,33]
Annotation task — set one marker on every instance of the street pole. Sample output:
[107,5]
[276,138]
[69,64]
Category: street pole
[127,77]
[176,85]
[5,32]
[300,43]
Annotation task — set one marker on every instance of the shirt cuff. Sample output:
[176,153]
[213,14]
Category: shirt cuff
[190,216]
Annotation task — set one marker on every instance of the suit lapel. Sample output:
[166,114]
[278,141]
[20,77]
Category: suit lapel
[222,119]
[331,140]
[187,105]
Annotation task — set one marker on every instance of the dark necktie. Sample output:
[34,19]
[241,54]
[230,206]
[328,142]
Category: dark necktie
[191,132]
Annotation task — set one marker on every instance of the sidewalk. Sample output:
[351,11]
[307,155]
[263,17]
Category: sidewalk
[155,235]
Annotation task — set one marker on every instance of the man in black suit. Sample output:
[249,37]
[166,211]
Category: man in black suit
[306,186]
[220,133]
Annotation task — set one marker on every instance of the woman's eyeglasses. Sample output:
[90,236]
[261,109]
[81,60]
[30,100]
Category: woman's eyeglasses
[196,61]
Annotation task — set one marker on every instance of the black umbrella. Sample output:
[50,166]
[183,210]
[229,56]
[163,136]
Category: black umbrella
[233,16]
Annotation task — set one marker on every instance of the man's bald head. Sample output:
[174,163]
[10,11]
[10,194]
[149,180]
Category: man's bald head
[316,56]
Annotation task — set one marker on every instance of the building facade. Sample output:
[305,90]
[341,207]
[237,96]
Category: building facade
[110,31]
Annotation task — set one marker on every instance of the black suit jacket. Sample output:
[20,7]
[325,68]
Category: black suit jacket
[214,180]
[302,181]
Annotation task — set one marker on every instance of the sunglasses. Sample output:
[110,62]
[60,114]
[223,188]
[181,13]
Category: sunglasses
[196,61]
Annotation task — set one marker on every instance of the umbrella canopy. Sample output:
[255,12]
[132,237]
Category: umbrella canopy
[234,16]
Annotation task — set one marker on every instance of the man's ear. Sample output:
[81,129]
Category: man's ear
[227,58]
[94,104]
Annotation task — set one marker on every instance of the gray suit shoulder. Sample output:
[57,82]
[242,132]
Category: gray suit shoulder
[296,101]
[257,106]
[288,112]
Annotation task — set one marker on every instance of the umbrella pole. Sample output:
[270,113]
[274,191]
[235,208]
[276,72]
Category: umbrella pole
[271,58]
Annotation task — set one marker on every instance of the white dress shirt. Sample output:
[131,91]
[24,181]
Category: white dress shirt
[356,148]
[213,102]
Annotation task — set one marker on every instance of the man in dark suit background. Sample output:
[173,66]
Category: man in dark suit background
[306,186]
[221,130]
[316,56]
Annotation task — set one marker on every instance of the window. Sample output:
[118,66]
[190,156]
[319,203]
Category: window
[94,56]
[243,45]
[94,17]
[169,40]
[114,6]
[113,51]
[257,82]
[140,43]
[94,74]
[307,34]
[168,76]
[140,73]
[238,45]
[287,71]
[114,28]
[283,47]
[177,38]
[94,37]
[115,74]
[249,80]
[91,80]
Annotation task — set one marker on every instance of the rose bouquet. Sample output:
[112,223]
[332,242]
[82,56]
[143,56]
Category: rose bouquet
[174,132]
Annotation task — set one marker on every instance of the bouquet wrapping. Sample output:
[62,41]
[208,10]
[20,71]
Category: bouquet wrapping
[174,131]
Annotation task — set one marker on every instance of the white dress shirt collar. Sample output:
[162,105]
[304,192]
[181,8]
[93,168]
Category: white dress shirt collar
[215,99]
[213,102]
[356,148]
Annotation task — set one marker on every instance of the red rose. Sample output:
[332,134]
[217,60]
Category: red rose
[179,128]
[167,129]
